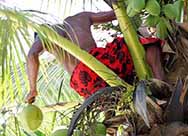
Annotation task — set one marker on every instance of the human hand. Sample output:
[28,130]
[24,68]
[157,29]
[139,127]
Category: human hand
[31,96]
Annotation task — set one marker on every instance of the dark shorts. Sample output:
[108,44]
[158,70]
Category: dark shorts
[116,57]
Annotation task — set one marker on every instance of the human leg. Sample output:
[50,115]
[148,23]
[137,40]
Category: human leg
[153,57]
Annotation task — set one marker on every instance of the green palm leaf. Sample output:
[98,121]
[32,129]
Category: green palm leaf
[15,40]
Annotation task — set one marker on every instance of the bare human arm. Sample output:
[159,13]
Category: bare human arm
[32,69]
[102,17]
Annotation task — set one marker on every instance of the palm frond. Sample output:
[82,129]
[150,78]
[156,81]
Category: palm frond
[15,40]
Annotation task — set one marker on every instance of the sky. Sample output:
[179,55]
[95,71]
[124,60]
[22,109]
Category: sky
[61,8]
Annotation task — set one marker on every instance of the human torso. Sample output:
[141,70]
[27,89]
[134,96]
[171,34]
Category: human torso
[77,30]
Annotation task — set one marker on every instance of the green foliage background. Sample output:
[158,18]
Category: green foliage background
[53,82]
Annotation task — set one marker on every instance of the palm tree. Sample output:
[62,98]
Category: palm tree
[170,27]
[15,41]
[17,25]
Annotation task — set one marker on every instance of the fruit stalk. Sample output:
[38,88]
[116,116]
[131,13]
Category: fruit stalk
[135,48]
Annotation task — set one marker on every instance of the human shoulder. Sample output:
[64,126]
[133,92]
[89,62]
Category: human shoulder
[81,14]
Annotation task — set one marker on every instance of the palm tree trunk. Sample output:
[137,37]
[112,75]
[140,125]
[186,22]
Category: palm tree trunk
[109,3]
[136,49]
